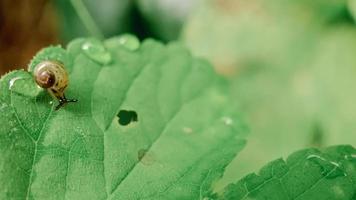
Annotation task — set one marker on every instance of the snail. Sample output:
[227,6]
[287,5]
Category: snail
[52,76]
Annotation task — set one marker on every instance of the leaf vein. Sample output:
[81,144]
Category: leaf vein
[160,133]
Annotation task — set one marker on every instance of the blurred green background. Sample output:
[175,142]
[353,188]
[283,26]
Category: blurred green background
[291,65]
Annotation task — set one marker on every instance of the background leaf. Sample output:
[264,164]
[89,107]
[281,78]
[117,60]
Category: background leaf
[290,65]
[306,174]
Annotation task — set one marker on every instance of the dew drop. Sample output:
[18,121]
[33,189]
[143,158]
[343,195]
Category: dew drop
[12,81]
[329,169]
[24,86]
[227,120]
[351,157]
[130,42]
[96,51]
[313,156]
[187,130]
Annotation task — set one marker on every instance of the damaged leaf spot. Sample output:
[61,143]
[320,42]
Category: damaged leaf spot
[187,130]
[126,117]
[141,153]
[145,157]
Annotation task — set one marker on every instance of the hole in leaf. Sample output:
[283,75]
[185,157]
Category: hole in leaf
[126,117]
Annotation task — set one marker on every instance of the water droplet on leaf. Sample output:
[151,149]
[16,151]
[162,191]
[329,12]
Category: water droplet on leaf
[351,157]
[24,86]
[130,42]
[13,80]
[96,51]
[227,120]
[329,169]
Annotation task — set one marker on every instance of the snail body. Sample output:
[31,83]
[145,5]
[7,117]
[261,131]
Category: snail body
[52,76]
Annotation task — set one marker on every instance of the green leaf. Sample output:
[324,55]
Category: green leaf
[185,134]
[352,8]
[310,104]
[306,174]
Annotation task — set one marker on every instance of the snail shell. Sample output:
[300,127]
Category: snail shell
[51,75]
